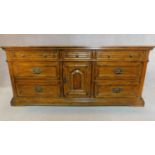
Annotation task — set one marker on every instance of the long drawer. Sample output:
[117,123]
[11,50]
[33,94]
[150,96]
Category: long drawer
[36,69]
[115,55]
[118,70]
[38,88]
[34,54]
[116,90]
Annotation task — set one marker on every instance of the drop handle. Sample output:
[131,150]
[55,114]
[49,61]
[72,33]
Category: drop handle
[118,71]
[39,89]
[116,90]
[36,70]
[45,55]
[23,55]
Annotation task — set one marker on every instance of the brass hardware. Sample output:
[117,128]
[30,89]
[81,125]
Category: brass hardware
[77,56]
[23,55]
[118,71]
[108,56]
[77,71]
[116,90]
[38,89]
[36,70]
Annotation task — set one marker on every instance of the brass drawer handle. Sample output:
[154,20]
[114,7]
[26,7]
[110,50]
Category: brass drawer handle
[39,89]
[131,56]
[23,55]
[118,71]
[116,90]
[77,56]
[36,70]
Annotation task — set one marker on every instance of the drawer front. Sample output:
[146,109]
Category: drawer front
[36,69]
[38,89]
[36,54]
[76,54]
[116,90]
[121,55]
[115,70]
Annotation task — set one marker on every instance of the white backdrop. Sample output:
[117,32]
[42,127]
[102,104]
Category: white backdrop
[95,16]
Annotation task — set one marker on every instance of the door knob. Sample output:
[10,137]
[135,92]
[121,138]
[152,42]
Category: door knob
[64,80]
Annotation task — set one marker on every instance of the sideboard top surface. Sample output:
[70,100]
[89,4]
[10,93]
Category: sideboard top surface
[80,47]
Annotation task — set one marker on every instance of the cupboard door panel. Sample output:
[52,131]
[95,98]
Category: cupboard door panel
[77,78]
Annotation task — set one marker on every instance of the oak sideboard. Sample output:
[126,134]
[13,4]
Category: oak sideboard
[80,76]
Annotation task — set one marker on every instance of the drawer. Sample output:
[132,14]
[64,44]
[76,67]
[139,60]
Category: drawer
[38,88]
[76,54]
[43,54]
[36,69]
[121,55]
[118,70]
[102,90]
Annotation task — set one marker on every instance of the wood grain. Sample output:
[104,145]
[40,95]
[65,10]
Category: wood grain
[79,76]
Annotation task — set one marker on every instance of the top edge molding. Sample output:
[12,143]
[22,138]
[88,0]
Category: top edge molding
[80,47]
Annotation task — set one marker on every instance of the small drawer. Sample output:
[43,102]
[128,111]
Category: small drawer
[102,90]
[37,89]
[115,70]
[35,54]
[76,54]
[36,69]
[121,55]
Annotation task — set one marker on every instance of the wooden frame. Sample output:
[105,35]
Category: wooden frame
[77,83]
